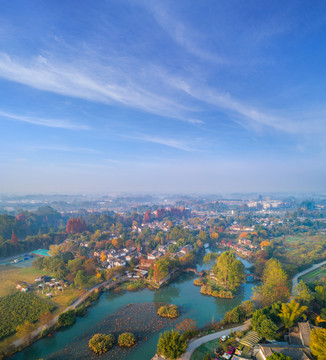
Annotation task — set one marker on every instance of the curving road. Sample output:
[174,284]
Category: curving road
[196,343]
[296,277]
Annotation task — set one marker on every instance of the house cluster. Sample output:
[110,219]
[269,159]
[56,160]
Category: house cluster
[241,250]
[236,228]
[117,257]
[157,225]
[296,347]
[162,250]
[48,282]
[251,346]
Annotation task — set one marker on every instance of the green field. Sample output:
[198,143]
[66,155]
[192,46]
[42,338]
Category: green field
[202,350]
[10,275]
[314,275]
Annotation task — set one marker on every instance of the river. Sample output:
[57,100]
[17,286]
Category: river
[181,292]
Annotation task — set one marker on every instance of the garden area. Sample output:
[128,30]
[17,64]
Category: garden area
[314,275]
[203,349]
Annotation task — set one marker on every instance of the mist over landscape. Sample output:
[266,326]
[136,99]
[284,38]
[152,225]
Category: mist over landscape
[162,180]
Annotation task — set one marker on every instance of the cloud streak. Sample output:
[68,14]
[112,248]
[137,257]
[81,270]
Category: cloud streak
[173,143]
[53,123]
[94,82]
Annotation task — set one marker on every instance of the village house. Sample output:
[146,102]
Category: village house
[185,249]
[154,255]
[23,286]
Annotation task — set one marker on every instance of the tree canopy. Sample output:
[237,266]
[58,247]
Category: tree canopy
[229,271]
[275,284]
[171,344]
[318,343]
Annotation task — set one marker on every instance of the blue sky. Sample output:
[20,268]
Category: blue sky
[177,96]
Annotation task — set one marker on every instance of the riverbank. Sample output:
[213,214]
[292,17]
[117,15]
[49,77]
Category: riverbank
[193,306]
[35,335]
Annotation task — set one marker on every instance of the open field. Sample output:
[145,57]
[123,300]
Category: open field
[200,352]
[10,275]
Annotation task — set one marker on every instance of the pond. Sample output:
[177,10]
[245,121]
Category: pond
[102,316]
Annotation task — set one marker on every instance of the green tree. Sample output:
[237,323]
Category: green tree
[172,248]
[101,343]
[80,279]
[248,308]
[280,356]
[229,271]
[171,344]
[275,284]
[321,295]
[318,343]
[263,325]
[291,312]
[67,318]
[303,294]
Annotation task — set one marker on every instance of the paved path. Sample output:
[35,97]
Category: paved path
[295,278]
[196,343]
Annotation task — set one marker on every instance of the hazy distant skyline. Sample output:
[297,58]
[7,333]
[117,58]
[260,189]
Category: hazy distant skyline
[164,96]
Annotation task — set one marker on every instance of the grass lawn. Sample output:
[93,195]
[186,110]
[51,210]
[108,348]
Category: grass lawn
[10,275]
[202,350]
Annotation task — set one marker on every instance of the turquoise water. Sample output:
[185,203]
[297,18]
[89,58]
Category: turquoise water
[182,292]
[41,252]
[25,261]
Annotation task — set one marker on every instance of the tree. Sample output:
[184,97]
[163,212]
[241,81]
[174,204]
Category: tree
[103,256]
[172,248]
[303,294]
[67,318]
[321,295]
[80,279]
[318,343]
[25,329]
[275,284]
[126,340]
[14,239]
[229,271]
[248,308]
[266,328]
[171,344]
[147,217]
[280,356]
[291,312]
[214,235]
[101,343]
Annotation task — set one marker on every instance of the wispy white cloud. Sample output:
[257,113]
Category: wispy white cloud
[62,148]
[181,34]
[53,123]
[170,142]
[87,80]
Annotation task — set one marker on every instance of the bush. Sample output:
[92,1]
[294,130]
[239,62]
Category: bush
[94,295]
[168,311]
[67,318]
[198,282]
[127,339]
[80,311]
[101,343]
